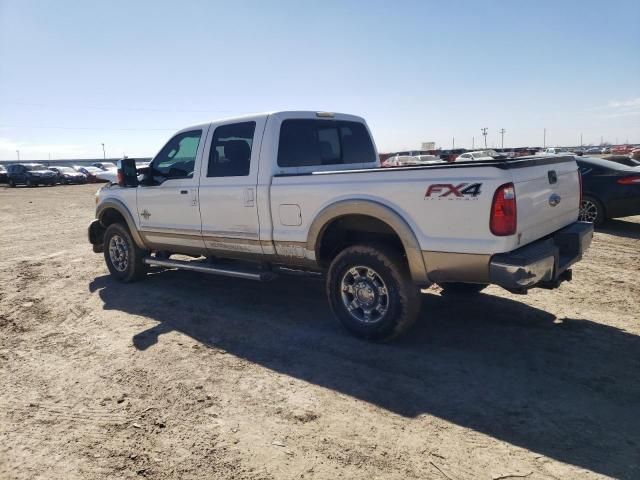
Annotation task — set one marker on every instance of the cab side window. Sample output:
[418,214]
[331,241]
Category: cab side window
[178,157]
[307,142]
[230,152]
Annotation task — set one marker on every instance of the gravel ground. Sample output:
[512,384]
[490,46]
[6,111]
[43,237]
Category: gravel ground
[185,376]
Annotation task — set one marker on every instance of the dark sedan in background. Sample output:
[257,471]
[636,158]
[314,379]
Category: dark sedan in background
[67,175]
[609,190]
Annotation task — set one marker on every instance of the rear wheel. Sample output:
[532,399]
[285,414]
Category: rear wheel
[459,288]
[591,210]
[123,257]
[371,292]
[30,183]
[12,184]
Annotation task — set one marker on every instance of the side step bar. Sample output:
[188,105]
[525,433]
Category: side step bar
[198,266]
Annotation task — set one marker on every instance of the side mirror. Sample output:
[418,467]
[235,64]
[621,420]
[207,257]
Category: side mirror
[127,173]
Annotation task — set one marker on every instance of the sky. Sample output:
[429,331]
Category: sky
[77,74]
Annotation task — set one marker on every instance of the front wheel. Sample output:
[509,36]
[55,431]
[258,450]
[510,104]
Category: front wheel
[591,210]
[12,184]
[123,257]
[371,292]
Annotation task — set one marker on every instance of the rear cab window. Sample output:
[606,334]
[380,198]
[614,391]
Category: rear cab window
[306,144]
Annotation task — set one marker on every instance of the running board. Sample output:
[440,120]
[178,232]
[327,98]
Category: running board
[198,266]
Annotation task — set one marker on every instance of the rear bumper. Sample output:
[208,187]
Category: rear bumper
[544,263]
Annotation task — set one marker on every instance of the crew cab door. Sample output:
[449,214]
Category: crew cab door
[167,197]
[228,179]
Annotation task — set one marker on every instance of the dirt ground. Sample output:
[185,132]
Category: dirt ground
[189,376]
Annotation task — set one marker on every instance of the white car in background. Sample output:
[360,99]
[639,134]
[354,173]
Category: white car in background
[108,171]
[478,155]
[555,151]
[408,160]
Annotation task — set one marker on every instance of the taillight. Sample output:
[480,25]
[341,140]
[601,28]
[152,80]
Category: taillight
[580,179]
[504,218]
[634,179]
[120,178]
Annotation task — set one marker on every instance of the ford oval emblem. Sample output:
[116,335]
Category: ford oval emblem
[554,200]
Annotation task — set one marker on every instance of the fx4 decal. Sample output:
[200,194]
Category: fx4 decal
[449,191]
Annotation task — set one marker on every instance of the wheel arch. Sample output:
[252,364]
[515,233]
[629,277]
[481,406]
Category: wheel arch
[112,211]
[379,213]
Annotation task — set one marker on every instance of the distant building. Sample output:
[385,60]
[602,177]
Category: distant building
[428,146]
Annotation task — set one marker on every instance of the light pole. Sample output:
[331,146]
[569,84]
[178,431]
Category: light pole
[544,138]
[453,143]
[484,132]
[502,132]
[104,155]
[473,143]
[18,152]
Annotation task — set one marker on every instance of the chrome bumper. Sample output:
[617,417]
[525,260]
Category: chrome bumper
[544,263]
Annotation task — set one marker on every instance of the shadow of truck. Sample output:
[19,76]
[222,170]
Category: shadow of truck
[568,389]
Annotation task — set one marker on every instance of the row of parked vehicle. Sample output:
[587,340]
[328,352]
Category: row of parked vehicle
[611,185]
[35,174]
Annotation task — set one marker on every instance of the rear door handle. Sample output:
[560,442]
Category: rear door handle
[183,192]
[248,197]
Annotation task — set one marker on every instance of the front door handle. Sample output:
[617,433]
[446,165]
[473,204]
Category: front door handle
[183,192]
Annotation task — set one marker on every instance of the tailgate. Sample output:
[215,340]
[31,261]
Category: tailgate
[547,195]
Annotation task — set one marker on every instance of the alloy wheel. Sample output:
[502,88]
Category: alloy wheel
[588,211]
[119,253]
[364,294]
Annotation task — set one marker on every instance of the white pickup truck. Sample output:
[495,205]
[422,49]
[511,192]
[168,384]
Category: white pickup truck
[285,192]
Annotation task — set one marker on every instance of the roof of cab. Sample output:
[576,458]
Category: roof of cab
[320,114]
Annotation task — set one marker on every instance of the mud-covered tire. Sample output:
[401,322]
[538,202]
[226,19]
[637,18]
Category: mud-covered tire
[388,293]
[459,288]
[123,257]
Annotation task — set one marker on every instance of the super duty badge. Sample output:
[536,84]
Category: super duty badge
[449,191]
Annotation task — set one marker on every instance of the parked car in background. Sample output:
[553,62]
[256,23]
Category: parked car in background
[90,172]
[110,175]
[3,174]
[622,149]
[609,190]
[104,166]
[635,154]
[605,150]
[623,160]
[30,174]
[479,155]
[67,175]
[555,151]
[593,150]
[408,160]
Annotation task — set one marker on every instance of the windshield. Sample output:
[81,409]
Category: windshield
[109,165]
[35,167]
[65,169]
[599,162]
